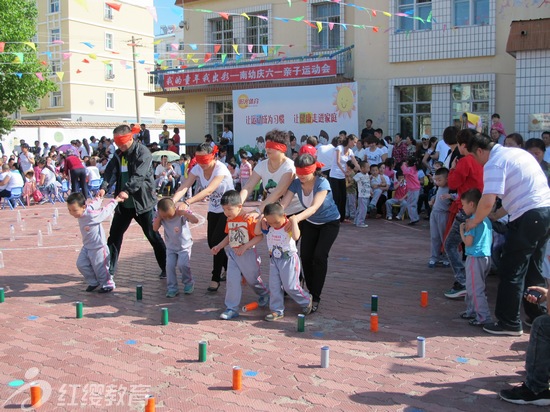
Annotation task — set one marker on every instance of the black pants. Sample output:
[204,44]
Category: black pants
[78,182]
[381,205]
[338,187]
[521,266]
[215,234]
[121,221]
[314,249]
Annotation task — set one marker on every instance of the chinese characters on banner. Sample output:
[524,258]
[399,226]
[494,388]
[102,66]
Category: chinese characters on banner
[245,74]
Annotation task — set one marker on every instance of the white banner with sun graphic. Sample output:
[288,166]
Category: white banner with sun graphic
[304,110]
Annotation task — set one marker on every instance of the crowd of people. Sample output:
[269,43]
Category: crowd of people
[486,197]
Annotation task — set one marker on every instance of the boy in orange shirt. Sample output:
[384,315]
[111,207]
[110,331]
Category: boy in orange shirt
[242,255]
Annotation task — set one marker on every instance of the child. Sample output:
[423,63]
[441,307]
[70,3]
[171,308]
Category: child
[410,172]
[478,261]
[245,169]
[284,267]
[351,195]
[439,216]
[29,187]
[241,254]
[177,237]
[93,260]
[399,197]
[378,185]
[364,193]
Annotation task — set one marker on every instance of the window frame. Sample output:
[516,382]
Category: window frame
[112,41]
[56,63]
[228,115]
[255,39]
[55,36]
[416,5]
[226,41]
[56,97]
[472,13]
[109,71]
[52,5]
[326,39]
[485,115]
[110,96]
[107,12]
[418,128]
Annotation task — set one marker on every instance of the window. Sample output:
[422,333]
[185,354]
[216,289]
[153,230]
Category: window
[222,33]
[257,32]
[55,99]
[54,6]
[109,41]
[222,113]
[167,47]
[472,98]
[109,101]
[109,72]
[415,8]
[155,48]
[326,38]
[107,12]
[415,104]
[471,12]
[169,64]
[181,45]
[55,66]
[55,34]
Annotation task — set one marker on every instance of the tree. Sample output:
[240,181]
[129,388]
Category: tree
[20,86]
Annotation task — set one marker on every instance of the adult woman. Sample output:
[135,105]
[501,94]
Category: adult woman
[319,222]
[337,176]
[76,171]
[176,138]
[276,173]
[537,148]
[411,146]
[215,179]
[431,155]
[514,140]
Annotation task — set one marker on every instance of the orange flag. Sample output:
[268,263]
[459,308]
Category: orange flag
[115,6]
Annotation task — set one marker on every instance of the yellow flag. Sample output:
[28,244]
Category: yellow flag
[319,27]
[30,44]
[236,48]
[60,75]
[157,42]
[385,13]
[83,3]
[92,56]
[190,56]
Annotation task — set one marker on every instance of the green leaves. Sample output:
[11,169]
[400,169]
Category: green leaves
[19,85]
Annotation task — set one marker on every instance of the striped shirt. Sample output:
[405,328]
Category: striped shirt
[515,176]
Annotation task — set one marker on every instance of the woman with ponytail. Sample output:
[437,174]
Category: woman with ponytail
[216,179]
[319,222]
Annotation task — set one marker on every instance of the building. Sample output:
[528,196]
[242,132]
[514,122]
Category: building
[418,64]
[88,48]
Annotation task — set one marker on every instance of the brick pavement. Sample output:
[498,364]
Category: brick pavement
[119,351]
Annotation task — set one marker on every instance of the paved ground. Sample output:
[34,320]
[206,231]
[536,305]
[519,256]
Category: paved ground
[119,352]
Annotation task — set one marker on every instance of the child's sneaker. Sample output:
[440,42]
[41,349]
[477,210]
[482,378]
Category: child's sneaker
[172,293]
[91,288]
[444,263]
[106,289]
[274,316]
[263,301]
[188,289]
[229,314]
[390,218]
[431,263]
[362,225]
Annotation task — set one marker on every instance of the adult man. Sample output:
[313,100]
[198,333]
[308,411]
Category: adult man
[46,150]
[35,150]
[515,176]
[144,136]
[367,131]
[534,391]
[132,167]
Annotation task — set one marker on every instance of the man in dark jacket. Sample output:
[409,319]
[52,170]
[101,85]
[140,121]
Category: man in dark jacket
[132,168]
[144,136]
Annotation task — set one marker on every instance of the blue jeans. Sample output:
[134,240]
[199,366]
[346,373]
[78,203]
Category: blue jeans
[537,362]
[451,247]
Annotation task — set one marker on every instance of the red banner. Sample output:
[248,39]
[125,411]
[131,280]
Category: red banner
[245,74]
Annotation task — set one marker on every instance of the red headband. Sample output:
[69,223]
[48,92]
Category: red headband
[126,138]
[207,158]
[302,171]
[281,147]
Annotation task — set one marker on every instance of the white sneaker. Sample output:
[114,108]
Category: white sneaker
[363,225]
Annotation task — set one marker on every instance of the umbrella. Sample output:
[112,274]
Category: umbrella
[172,157]
[64,147]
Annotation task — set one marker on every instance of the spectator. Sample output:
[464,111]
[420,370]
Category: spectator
[514,140]
[76,171]
[368,130]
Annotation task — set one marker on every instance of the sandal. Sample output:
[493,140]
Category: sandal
[214,286]
[464,315]
[274,316]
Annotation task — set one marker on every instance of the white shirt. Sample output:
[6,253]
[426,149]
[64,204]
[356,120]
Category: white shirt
[325,155]
[16,180]
[83,151]
[373,157]
[226,184]
[92,173]
[228,135]
[336,172]
[26,165]
[2,177]
[443,149]
[271,180]
[50,176]
[516,177]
